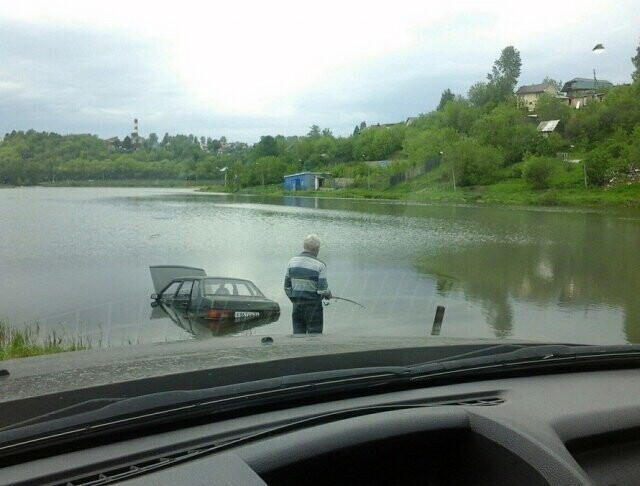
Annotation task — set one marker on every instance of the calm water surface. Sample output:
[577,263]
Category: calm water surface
[75,260]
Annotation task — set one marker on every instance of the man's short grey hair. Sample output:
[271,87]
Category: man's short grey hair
[312,243]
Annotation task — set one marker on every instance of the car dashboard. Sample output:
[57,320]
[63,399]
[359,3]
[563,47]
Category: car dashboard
[570,428]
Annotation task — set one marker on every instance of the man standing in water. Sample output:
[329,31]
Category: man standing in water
[305,283]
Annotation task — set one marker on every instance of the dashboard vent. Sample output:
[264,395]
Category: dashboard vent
[470,401]
[481,402]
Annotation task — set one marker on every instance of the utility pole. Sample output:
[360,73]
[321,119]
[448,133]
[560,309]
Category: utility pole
[453,173]
[225,169]
[135,134]
[453,170]
[598,49]
[261,165]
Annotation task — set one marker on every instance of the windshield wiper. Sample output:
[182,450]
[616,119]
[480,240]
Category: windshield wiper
[118,413]
[529,357]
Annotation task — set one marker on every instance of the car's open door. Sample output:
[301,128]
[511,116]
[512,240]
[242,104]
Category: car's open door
[161,275]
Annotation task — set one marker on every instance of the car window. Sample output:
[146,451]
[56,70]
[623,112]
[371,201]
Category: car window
[195,291]
[185,290]
[239,288]
[170,290]
[242,290]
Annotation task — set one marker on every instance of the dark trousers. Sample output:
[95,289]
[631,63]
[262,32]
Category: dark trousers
[307,317]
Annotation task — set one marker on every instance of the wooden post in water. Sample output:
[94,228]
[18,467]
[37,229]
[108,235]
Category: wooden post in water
[437,321]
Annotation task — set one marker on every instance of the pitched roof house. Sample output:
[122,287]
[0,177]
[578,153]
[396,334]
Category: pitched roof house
[581,90]
[528,95]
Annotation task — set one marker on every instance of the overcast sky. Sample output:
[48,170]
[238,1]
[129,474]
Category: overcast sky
[244,69]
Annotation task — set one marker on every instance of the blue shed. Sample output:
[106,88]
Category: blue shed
[306,181]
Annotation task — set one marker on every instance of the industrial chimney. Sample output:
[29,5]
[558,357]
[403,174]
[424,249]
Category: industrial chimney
[134,136]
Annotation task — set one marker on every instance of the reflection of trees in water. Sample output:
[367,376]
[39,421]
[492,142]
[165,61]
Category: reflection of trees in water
[444,284]
[575,263]
[499,314]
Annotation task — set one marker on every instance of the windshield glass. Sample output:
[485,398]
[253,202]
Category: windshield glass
[345,175]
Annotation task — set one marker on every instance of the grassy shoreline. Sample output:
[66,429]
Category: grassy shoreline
[25,342]
[510,192]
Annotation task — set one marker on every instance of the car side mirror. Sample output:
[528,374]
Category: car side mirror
[155,296]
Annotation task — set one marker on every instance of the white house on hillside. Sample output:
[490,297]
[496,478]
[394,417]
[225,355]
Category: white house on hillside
[528,95]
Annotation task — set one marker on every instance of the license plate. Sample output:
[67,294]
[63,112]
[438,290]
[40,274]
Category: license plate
[242,316]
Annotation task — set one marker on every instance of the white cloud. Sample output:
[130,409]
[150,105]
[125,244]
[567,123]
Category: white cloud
[264,60]
[10,86]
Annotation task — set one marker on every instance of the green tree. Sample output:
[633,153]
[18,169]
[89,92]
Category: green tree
[636,65]
[314,131]
[595,122]
[356,130]
[377,143]
[272,169]
[343,149]
[126,144]
[551,108]
[608,158]
[213,145]
[552,82]
[474,164]
[447,95]
[165,140]
[422,145]
[538,170]
[152,141]
[267,146]
[481,94]
[458,114]
[506,71]
[506,128]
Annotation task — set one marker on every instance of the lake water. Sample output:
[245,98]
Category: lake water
[75,260]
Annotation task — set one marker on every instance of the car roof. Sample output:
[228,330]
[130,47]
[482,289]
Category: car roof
[200,277]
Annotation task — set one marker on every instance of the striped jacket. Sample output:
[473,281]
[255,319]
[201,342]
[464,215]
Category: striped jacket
[306,278]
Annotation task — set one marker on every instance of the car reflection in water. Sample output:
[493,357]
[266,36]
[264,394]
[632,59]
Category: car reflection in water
[214,306]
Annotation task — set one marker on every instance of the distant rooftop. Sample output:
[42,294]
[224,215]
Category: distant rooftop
[534,88]
[585,84]
[308,173]
[548,126]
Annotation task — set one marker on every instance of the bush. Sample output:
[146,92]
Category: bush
[474,164]
[608,158]
[550,198]
[421,145]
[513,171]
[505,127]
[538,170]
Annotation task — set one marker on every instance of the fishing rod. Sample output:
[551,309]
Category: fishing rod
[346,300]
